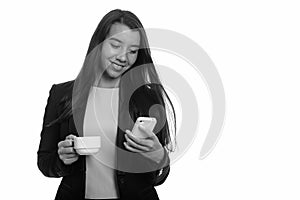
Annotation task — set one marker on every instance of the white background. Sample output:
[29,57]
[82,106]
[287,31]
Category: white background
[254,45]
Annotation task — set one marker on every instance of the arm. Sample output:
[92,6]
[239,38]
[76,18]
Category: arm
[161,175]
[155,156]
[163,169]
[143,100]
[48,160]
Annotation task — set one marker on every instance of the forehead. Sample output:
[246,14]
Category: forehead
[124,34]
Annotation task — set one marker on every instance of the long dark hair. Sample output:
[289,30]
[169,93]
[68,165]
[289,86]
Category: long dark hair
[141,73]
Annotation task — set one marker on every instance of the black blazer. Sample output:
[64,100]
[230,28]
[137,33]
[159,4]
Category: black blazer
[130,185]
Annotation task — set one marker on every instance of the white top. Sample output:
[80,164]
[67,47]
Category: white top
[101,118]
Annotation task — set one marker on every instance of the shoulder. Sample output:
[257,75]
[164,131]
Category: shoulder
[63,89]
[64,85]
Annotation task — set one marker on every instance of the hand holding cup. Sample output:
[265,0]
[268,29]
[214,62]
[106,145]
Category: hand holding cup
[66,150]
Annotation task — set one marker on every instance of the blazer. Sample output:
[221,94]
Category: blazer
[130,185]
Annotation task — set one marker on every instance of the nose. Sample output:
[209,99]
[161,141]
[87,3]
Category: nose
[122,57]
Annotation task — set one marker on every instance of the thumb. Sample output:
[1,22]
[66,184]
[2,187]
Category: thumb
[71,137]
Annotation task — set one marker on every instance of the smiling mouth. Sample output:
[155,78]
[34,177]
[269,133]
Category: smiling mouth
[117,66]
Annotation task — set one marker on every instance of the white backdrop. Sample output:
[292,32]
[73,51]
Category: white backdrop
[254,45]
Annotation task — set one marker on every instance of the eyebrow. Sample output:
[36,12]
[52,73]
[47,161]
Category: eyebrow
[134,45]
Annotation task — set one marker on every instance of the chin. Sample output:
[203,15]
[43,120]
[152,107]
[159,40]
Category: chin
[113,74]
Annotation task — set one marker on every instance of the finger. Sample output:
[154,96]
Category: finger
[71,136]
[70,161]
[73,155]
[131,149]
[146,142]
[65,143]
[68,156]
[135,145]
[68,150]
[141,141]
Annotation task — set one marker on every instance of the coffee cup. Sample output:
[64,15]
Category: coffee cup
[87,145]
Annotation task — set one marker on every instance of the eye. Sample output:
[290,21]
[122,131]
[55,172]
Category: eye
[115,46]
[133,51]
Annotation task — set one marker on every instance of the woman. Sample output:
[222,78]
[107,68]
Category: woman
[118,73]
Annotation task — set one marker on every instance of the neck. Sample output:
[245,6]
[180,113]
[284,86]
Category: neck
[108,83]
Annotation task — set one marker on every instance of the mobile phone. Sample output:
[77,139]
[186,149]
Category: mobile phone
[148,122]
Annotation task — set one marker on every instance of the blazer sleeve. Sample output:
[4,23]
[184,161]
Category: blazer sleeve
[48,160]
[164,169]
[145,97]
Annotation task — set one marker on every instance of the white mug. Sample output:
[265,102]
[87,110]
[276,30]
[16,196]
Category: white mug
[87,145]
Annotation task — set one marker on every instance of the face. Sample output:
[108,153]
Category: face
[119,51]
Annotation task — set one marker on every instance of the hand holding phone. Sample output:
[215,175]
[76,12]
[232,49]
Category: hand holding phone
[150,147]
[148,122]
